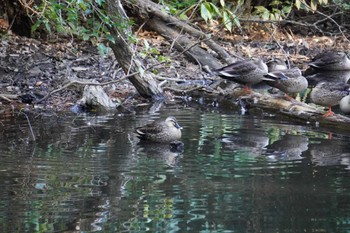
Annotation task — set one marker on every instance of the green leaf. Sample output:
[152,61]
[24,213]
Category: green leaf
[222,3]
[183,16]
[236,21]
[145,42]
[102,49]
[214,9]
[36,25]
[227,21]
[99,2]
[297,4]
[205,12]
[261,9]
[234,18]
[266,15]
[287,9]
[86,37]
[110,38]
[313,5]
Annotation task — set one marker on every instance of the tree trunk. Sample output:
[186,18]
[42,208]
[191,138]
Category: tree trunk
[143,81]
[178,32]
[16,16]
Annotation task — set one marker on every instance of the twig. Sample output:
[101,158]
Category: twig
[84,83]
[331,19]
[3,96]
[185,90]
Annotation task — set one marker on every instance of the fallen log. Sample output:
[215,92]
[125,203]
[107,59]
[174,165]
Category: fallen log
[181,34]
[293,109]
[183,44]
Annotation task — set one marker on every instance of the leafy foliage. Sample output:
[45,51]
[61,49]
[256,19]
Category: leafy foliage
[302,4]
[82,18]
[215,9]
[277,10]
[74,17]
[150,52]
[344,5]
[228,11]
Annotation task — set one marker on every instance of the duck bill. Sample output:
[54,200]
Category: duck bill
[178,126]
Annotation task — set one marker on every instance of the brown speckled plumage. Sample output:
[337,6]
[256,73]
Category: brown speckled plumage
[276,64]
[165,131]
[288,81]
[247,72]
[329,94]
[331,60]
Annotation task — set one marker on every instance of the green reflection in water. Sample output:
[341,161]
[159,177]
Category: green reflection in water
[236,174]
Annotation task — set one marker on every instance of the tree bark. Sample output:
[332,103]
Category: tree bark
[183,43]
[178,31]
[143,81]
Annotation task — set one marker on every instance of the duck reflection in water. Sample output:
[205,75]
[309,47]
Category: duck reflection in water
[252,141]
[289,147]
[326,152]
[169,153]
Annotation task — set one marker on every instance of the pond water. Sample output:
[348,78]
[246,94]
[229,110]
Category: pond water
[236,173]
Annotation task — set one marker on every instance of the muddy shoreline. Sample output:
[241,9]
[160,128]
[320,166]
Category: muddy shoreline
[31,69]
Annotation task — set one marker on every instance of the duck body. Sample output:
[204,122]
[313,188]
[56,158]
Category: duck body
[288,81]
[247,72]
[328,76]
[329,94]
[331,60]
[165,131]
[276,64]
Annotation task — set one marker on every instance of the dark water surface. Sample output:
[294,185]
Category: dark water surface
[250,173]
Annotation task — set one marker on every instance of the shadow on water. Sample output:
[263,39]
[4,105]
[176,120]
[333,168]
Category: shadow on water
[229,173]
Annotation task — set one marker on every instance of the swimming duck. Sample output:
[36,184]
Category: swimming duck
[289,81]
[331,60]
[276,64]
[329,94]
[247,72]
[165,131]
[344,104]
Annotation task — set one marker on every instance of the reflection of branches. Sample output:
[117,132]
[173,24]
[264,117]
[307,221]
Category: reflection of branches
[30,125]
